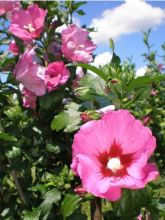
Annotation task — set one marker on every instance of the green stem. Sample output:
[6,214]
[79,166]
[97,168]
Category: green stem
[96,209]
[18,187]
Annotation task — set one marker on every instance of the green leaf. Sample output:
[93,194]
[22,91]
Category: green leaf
[80,12]
[77,215]
[34,215]
[49,100]
[111,44]
[14,153]
[129,206]
[161,204]
[7,137]
[53,148]
[93,69]
[76,5]
[14,112]
[68,119]
[85,93]
[52,196]
[115,61]
[143,80]
[69,204]
[93,82]
[60,121]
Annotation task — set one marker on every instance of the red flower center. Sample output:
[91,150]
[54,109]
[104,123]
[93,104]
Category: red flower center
[114,162]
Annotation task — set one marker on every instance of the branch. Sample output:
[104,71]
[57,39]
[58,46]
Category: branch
[96,210]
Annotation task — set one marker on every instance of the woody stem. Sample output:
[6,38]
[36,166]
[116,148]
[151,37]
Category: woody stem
[96,209]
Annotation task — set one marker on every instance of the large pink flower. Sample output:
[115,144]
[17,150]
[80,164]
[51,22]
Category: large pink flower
[56,74]
[8,6]
[28,24]
[29,99]
[30,73]
[75,44]
[111,153]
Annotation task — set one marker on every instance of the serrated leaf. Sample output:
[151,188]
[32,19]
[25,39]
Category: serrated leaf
[93,69]
[50,99]
[69,204]
[13,153]
[60,121]
[93,82]
[14,112]
[128,206]
[68,119]
[143,80]
[34,215]
[7,137]
[51,197]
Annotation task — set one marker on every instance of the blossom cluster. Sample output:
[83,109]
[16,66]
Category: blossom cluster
[37,79]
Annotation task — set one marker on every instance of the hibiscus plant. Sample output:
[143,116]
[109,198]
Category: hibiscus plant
[77,141]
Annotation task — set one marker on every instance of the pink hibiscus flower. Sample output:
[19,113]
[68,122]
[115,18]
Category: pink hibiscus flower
[8,6]
[30,73]
[111,153]
[29,99]
[56,74]
[28,24]
[13,47]
[75,44]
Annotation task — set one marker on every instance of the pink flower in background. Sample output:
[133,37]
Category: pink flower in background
[13,48]
[56,74]
[29,99]
[28,24]
[8,6]
[75,44]
[160,67]
[111,153]
[30,73]
[139,217]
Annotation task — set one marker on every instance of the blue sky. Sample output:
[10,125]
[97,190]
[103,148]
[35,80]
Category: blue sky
[150,14]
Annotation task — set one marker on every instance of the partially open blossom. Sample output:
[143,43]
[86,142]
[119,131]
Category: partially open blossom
[146,119]
[56,74]
[8,6]
[13,47]
[160,67]
[153,92]
[85,117]
[112,153]
[30,73]
[79,190]
[75,44]
[139,217]
[29,99]
[55,49]
[28,24]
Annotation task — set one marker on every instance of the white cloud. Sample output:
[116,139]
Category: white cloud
[131,16]
[101,60]
[141,71]
[76,21]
